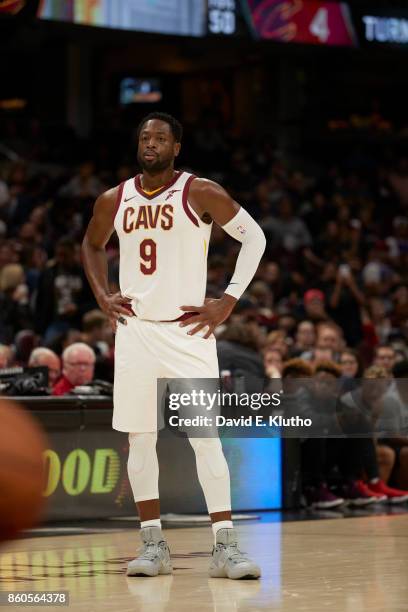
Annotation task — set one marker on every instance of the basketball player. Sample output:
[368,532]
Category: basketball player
[164,325]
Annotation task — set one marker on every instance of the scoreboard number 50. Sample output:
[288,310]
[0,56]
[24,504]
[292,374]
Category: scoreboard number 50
[319,26]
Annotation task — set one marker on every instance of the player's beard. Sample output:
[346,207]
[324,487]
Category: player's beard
[155,166]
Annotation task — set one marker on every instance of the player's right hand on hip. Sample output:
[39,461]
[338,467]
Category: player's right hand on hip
[117,307]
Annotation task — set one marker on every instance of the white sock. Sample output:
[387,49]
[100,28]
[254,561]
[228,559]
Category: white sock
[151,523]
[221,525]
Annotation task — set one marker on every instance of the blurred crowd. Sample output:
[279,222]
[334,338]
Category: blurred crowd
[332,287]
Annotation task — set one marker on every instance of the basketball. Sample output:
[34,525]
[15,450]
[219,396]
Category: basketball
[11,6]
[22,444]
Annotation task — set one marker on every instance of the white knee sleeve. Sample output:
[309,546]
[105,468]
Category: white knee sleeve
[213,473]
[143,466]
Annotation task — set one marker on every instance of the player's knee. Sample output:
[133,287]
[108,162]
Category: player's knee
[141,445]
[209,451]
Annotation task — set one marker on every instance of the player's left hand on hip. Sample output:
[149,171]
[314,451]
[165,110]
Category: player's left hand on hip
[210,315]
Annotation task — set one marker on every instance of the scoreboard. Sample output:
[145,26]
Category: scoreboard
[176,17]
[317,22]
[310,22]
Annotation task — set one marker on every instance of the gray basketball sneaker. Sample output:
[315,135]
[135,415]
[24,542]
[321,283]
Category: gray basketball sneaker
[228,561]
[155,556]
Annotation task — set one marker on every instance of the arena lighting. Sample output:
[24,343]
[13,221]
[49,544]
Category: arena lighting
[386,29]
[13,104]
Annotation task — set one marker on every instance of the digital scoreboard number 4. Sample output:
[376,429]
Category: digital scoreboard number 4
[319,26]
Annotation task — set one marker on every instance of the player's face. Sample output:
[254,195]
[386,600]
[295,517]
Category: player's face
[157,147]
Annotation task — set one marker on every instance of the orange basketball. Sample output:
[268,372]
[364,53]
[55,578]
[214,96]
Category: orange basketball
[11,6]
[22,474]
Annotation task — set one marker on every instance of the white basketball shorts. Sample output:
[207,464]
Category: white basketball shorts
[146,351]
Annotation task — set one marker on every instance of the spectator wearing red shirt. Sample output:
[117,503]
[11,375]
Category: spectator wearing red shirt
[78,364]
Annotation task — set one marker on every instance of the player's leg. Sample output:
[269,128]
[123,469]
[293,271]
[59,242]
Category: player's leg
[135,410]
[192,357]
[213,473]
[143,471]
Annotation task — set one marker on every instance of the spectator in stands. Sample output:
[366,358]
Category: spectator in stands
[320,353]
[286,321]
[400,305]
[314,306]
[65,339]
[279,281]
[286,231]
[95,326]
[378,276]
[7,254]
[262,296]
[322,455]
[350,363]
[384,357]
[379,319]
[15,312]
[85,184]
[25,342]
[398,179]
[329,343]
[6,356]
[329,335]
[238,353]
[78,363]
[97,333]
[363,411]
[278,340]
[273,362]
[299,401]
[42,356]
[351,368]
[4,194]
[400,443]
[345,300]
[63,293]
[305,338]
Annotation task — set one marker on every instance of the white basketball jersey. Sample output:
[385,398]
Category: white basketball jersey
[163,248]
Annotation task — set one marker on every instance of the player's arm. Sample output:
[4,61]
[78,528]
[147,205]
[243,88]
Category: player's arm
[209,198]
[94,258]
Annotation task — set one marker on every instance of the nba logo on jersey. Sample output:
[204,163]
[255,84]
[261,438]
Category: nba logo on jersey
[171,194]
[241,229]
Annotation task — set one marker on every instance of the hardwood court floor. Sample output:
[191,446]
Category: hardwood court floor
[345,565]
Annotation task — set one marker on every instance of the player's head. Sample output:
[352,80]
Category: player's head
[159,141]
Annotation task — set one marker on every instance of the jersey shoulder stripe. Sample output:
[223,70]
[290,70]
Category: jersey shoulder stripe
[118,200]
[187,208]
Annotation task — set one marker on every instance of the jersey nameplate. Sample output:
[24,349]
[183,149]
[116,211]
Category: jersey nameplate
[148,217]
